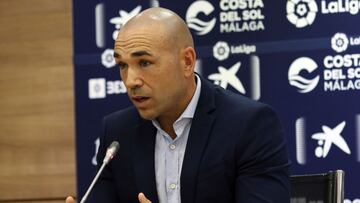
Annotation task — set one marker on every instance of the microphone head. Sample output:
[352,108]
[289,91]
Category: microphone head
[111,151]
[114,146]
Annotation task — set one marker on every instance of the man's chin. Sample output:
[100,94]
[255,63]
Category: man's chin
[146,115]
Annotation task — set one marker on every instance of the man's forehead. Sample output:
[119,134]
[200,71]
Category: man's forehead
[142,29]
[133,47]
[130,43]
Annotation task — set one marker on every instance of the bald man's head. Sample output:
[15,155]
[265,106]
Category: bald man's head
[169,27]
[156,57]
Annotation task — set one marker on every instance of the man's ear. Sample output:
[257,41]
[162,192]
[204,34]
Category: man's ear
[189,58]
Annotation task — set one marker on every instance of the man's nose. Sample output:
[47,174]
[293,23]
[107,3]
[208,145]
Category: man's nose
[133,79]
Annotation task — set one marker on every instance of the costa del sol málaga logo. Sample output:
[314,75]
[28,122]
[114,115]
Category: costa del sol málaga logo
[295,79]
[301,13]
[200,27]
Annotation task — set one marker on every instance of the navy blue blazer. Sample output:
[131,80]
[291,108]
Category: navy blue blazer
[236,152]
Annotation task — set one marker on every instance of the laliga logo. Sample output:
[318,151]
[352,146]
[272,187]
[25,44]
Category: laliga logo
[301,13]
[329,137]
[225,77]
[304,85]
[196,24]
[107,58]
[221,50]
[339,42]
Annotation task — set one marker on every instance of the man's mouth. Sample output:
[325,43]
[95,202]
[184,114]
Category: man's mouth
[140,99]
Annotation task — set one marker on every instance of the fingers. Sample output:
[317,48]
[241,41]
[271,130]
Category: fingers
[142,198]
[70,200]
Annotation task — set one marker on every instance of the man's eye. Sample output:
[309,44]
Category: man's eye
[144,63]
[122,65]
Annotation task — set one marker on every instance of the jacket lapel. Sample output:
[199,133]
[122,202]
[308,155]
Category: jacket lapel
[144,167]
[198,136]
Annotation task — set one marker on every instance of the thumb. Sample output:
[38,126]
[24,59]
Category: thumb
[70,200]
[142,198]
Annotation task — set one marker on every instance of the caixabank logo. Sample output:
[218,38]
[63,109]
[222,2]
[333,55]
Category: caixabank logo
[336,72]
[235,16]
[325,140]
[228,77]
[303,13]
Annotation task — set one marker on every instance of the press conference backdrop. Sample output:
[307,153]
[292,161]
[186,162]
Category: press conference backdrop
[300,56]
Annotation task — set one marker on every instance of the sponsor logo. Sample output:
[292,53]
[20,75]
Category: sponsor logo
[107,58]
[227,77]
[340,6]
[295,79]
[99,88]
[241,16]
[341,72]
[222,50]
[199,26]
[122,19]
[339,42]
[301,13]
[328,138]
[234,16]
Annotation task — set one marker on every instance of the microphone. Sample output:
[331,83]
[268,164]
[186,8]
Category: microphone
[110,153]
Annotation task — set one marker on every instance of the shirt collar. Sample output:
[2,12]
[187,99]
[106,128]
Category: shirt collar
[190,109]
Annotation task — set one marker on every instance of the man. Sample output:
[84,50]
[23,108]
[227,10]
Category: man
[185,139]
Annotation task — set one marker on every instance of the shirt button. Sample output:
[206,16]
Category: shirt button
[172,147]
[172,186]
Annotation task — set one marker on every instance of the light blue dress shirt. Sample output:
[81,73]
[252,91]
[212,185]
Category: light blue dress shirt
[169,153]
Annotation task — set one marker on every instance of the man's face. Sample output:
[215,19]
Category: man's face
[152,73]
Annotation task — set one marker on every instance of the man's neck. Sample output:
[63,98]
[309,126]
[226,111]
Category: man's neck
[166,122]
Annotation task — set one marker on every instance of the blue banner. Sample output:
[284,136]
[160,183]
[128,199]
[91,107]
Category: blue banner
[300,56]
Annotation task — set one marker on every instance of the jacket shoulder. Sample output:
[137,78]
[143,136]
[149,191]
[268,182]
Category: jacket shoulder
[237,103]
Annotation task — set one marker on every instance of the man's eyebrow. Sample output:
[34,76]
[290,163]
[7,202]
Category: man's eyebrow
[140,53]
[116,55]
[134,54]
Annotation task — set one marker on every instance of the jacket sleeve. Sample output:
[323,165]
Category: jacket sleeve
[262,161]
